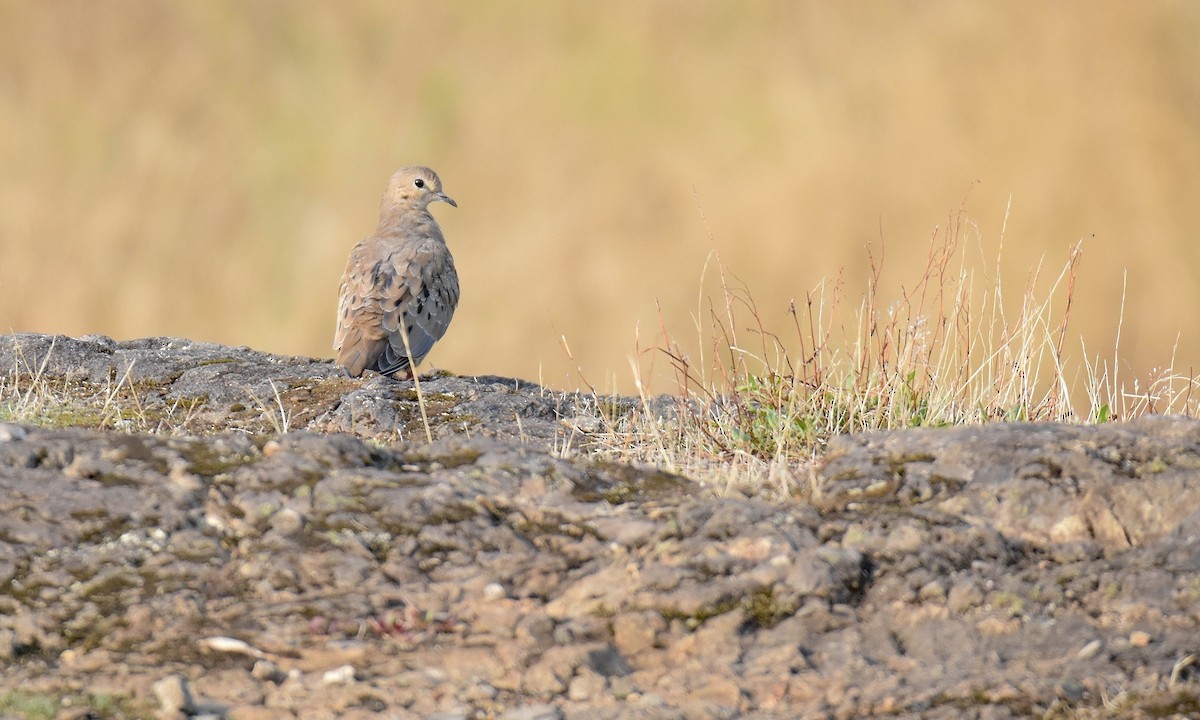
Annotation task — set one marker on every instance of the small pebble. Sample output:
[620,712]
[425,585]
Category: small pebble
[1072,690]
[267,670]
[10,432]
[1139,638]
[339,676]
[533,712]
[287,521]
[1089,650]
[933,590]
[220,643]
[493,591]
[182,479]
[173,695]
[481,691]
[652,700]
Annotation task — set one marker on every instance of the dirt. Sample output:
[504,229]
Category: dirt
[298,549]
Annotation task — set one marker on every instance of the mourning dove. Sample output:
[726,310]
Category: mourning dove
[401,275]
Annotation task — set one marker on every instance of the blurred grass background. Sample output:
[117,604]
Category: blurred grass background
[202,169]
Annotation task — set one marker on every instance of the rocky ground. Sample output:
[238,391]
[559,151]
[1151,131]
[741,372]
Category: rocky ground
[295,548]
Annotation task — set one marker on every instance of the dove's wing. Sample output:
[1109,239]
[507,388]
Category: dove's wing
[423,301]
[387,283]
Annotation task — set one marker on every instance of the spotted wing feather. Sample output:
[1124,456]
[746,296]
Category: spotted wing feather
[387,284]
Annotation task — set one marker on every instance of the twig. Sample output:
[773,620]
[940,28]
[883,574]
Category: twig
[412,366]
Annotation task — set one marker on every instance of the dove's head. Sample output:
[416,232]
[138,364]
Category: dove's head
[415,186]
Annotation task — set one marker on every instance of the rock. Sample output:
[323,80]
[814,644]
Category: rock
[637,632]
[586,685]
[551,674]
[997,570]
[963,596]
[343,675]
[174,697]
[493,591]
[1121,484]
[533,712]
[267,670]
[258,712]
[11,431]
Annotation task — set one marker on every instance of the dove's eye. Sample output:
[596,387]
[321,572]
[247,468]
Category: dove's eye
[419,183]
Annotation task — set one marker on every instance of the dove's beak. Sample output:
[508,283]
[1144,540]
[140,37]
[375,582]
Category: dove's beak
[447,199]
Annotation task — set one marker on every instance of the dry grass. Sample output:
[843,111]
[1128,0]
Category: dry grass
[28,396]
[952,349]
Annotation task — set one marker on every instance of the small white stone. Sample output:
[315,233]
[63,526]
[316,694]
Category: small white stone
[493,591]
[220,643]
[339,676]
[1089,650]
